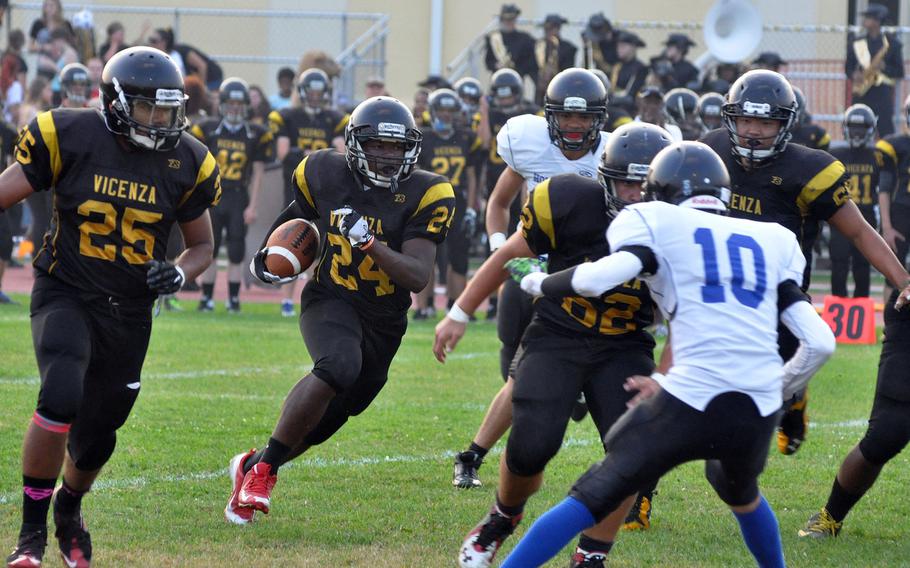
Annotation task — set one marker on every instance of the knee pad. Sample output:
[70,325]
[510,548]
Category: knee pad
[731,492]
[236,250]
[506,355]
[885,438]
[528,455]
[90,451]
[338,371]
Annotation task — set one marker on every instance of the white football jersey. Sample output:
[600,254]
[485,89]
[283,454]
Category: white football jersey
[716,282]
[524,144]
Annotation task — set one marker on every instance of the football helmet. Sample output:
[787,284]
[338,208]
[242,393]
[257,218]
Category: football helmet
[75,83]
[681,104]
[626,156]
[575,91]
[444,105]
[143,98]
[506,87]
[802,108]
[234,90]
[315,89]
[603,79]
[388,120]
[709,111]
[760,94]
[859,125]
[469,91]
[689,174]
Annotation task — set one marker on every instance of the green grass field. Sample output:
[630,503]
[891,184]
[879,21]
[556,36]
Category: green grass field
[378,494]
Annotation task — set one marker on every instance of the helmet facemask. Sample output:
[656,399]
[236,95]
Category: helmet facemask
[380,169]
[151,123]
[314,94]
[748,148]
[635,173]
[77,93]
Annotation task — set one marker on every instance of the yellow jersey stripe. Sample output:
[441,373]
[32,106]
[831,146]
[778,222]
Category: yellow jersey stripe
[339,128]
[822,181]
[205,171]
[621,120]
[825,141]
[197,132]
[887,149]
[542,212]
[300,182]
[440,191]
[49,135]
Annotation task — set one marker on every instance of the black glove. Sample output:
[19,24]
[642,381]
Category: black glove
[353,226]
[469,223]
[164,277]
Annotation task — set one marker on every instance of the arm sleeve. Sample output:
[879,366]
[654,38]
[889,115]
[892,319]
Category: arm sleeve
[816,345]
[434,213]
[205,193]
[592,279]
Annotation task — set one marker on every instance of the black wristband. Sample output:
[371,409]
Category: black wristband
[789,293]
[559,285]
[645,255]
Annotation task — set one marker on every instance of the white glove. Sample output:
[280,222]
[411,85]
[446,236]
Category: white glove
[257,267]
[532,283]
[352,225]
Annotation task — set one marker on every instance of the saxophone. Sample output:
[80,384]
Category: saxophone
[547,52]
[871,74]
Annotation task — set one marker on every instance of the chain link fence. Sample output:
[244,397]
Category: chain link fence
[815,56]
[253,44]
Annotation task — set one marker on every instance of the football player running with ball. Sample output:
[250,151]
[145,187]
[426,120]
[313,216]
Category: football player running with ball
[795,186]
[380,221]
[720,399]
[120,180]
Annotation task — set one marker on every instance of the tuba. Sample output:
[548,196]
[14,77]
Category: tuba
[732,31]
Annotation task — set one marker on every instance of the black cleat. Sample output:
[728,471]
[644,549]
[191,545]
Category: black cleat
[466,465]
[639,517]
[584,559]
[793,425]
[580,410]
[481,545]
[29,550]
[72,537]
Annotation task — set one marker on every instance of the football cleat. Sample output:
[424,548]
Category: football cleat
[639,517]
[481,545]
[206,305]
[29,550]
[287,308]
[256,489]
[233,306]
[233,512]
[820,525]
[584,559]
[580,409]
[793,425]
[466,466]
[4,299]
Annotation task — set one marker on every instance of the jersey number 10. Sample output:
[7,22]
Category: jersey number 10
[713,291]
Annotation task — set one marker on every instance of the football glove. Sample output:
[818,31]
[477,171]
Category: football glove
[257,267]
[469,223]
[164,277]
[353,226]
[520,267]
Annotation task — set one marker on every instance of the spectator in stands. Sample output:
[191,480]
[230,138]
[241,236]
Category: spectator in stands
[652,109]
[628,73]
[319,60]
[421,106]
[670,69]
[197,102]
[13,71]
[195,61]
[433,82]
[375,87]
[282,99]
[62,53]
[510,48]
[165,42]
[95,67]
[116,41]
[720,78]
[769,60]
[553,54]
[38,98]
[259,105]
[50,20]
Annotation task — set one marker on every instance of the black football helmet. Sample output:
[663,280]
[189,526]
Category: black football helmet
[626,157]
[681,104]
[444,105]
[760,94]
[506,87]
[469,91]
[234,90]
[859,125]
[575,90]
[802,107]
[689,174]
[143,98]
[603,79]
[709,111]
[382,119]
[75,84]
[315,89]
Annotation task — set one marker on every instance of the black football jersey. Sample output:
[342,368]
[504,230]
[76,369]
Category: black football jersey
[8,139]
[309,133]
[863,166]
[799,187]
[422,208]
[566,218]
[810,136]
[235,151]
[896,152]
[450,157]
[114,204]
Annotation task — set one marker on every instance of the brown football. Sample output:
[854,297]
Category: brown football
[293,247]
